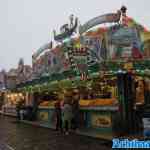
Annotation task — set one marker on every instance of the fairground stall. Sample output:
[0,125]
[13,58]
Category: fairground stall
[11,96]
[10,101]
[108,62]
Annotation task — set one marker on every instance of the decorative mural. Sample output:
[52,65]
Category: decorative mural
[123,39]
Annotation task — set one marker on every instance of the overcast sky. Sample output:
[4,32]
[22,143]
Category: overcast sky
[25,25]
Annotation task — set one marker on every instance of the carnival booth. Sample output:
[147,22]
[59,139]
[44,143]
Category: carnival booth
[109,66]
[10,101]
[46,113]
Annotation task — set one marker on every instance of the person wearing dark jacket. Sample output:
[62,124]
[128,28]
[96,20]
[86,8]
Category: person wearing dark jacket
[75,110]
[19,106]
[58,113]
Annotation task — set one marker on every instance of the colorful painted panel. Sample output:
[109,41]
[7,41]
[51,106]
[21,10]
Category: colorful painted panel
[100,120]
[125,43]
[80,58]
[43,116]
[53,61]
[97,48]
[114,42]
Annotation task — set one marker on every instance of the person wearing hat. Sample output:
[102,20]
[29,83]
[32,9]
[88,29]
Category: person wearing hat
[75,109]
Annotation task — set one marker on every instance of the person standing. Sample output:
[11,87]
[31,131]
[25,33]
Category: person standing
[75,110]
[18,109]
[67,115]
[58,116]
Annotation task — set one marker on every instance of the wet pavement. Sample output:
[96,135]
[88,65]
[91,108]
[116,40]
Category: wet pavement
[20,136]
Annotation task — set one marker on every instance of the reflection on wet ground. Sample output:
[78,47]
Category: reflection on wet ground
[19,136]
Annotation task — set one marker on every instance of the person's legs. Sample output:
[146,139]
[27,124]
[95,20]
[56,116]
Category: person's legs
[76,121]
[21,114]
[66,126]
[61,125]
[18,115]
[69,124]
[57,124]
